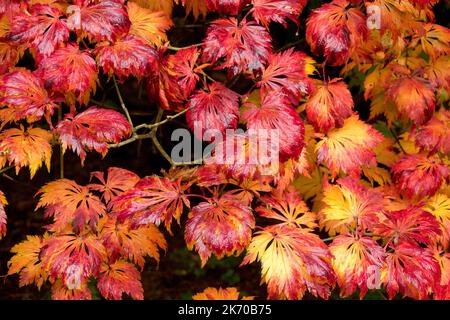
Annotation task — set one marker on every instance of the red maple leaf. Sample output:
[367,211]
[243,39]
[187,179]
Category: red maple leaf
[411,224]
[265,11]
[435,134]
[232,7]
[287,71]
[92,129]
[73,258]
[116,182]
[42,28]
[127,56]
[70,72]
[276,113]
[334,30]
[222,226]
[414,98]
[329,105]
[153,200]
[415,175]
[70,204]
[410,270]
[215,108]
[118,278]
[25,97]
[105,20]
[244,45]
[176,79]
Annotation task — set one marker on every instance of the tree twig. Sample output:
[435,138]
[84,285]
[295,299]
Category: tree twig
[122,104]
[187,47]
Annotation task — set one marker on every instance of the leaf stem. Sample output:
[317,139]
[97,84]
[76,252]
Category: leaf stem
[61,150]
[6,169]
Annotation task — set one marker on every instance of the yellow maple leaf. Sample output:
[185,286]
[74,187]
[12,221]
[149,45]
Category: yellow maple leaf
[292,261]
[439,206]
[157,5]
[346,149]
[148,25]
[230,293]
[349,205]
[27,263]
[26,148]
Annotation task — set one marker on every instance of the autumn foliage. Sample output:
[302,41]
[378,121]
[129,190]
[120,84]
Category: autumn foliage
[360,96]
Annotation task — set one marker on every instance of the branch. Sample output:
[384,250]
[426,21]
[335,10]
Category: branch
[157,124]
[122,104]
[155,139]
[187,47]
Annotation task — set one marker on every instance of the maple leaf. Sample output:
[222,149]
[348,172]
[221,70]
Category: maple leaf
[349,205]
[433,38]
[232,7]
[288,71]
[9,55]
[229,293]
[329,105]
[265,11]
[291,169]
[182,71]
[161,5]
[196,7]
[127,56]
[61,292]
[349,147]
[244,155]
[250,187]
[26,148]
[287,207]
[121,240]
[413,97]
[92,129]
[274,112]
[435,134]
[147,25]
[409,225]
[442,290]
[42,28]
[70,72]
[214,110]
[439,207]
[3,203]
[73,258]
[244,45]
[105,20]
[25,97]
[222,226]
[410,270]
[27,263]
[68,202]
[335,30]
[292,261]
[176,80]
[415,175]
[116,182]
[153,200]
[356,262]
[119,278]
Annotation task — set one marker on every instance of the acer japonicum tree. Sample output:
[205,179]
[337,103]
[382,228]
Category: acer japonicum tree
[360,96]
